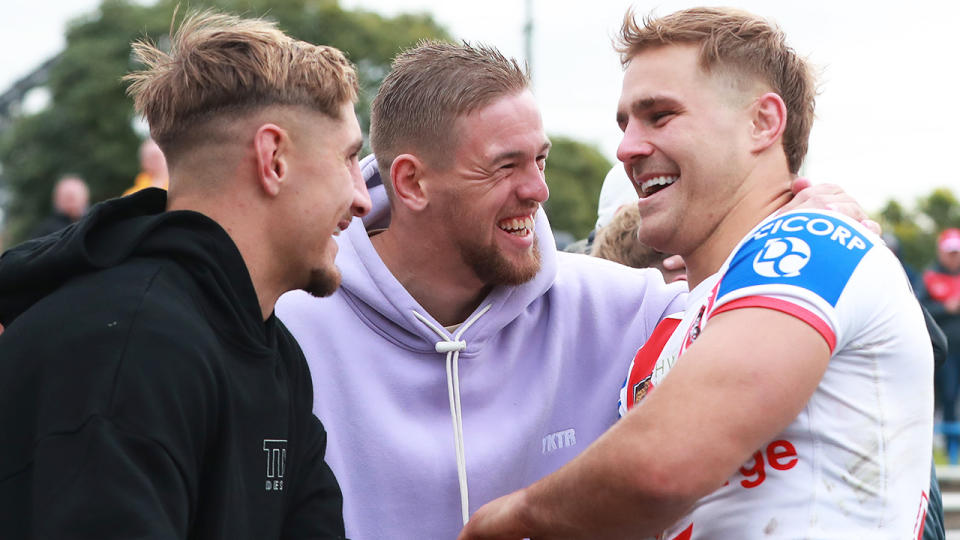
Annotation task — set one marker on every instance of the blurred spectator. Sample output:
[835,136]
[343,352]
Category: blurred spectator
[71,196]
[940,294]
[153,168]
[617,191]
[617,241]
[894,244]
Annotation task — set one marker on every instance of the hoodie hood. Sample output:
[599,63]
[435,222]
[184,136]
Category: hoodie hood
[136,226]
[388,308]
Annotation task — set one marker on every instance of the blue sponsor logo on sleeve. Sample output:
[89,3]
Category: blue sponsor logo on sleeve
[814,251]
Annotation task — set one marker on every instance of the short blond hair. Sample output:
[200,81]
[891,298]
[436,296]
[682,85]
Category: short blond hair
[618,241]
[428,88]
[743,45]
[224,65]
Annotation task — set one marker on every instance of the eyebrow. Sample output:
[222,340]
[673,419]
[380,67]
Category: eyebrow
[513,154]
[643,105]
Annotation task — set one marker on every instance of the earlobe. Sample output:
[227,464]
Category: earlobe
[270,145]
[769,121]
[406,174]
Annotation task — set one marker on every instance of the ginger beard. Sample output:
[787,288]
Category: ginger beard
[489,262]
[493,268]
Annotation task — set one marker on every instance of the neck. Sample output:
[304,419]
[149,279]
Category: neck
[432,272]
[235,214]
[763,194]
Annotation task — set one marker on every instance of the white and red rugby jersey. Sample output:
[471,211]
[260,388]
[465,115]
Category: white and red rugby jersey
[856,462]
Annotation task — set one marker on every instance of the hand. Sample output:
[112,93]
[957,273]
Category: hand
[497,520]
[673,269]
[828,197]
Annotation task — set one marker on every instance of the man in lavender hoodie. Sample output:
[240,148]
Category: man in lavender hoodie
[463,357]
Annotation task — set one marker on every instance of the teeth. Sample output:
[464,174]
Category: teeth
[517,226]
[657,181]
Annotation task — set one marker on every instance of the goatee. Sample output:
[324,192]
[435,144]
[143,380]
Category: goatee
[323,281]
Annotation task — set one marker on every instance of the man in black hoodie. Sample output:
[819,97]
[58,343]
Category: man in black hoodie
[146,388]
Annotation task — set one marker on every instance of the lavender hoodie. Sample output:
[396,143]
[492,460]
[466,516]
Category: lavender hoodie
[532,377]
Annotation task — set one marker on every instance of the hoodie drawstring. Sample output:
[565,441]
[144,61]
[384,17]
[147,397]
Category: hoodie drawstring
[452,348]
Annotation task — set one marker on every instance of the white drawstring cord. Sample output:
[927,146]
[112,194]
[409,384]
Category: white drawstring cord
[452,349]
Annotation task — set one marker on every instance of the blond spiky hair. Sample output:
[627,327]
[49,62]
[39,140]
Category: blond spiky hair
[221,64]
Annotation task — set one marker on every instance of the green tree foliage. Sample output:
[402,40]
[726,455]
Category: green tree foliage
[917,228]
[575,173]
[88,127]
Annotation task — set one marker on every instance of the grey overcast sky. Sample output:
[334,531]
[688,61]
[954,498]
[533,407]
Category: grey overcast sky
[887,115]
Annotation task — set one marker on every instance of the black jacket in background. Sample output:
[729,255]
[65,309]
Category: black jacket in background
[51,224]
[143,396]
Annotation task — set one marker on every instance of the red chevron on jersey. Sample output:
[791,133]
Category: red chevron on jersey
[639,382]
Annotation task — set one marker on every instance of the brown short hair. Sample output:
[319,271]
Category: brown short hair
[617,241]
[223,65]
[742,44]
[428,88]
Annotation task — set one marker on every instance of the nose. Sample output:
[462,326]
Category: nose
[361,197]
[634,144]
[533,186]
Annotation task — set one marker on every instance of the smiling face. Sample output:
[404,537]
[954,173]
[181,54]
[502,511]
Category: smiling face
[685,145]
[486,200]
[326,191]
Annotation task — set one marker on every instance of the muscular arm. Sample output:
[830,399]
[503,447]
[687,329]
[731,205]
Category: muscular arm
[746,378]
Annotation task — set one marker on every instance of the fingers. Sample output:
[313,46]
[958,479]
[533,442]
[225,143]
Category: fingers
[799,184]
[674,262]
[872,225]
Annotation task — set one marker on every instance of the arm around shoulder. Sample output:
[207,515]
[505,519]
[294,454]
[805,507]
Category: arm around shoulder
[689,436]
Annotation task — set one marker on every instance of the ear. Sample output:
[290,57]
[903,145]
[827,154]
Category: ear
[271,145]
[406,174]
[769,121]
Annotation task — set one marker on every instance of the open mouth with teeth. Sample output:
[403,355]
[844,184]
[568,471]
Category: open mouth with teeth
[517,226]
[652,185]
[342,226]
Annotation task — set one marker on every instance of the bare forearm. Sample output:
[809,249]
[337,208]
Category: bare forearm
[615,489]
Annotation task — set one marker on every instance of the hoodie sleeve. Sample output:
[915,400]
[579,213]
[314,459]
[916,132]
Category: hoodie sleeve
[119,446]
[102,482]
[124,409]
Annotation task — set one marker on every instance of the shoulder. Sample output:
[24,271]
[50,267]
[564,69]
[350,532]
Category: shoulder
[602,276]
[110,344]
[139,313]
[814,250]
[615,285]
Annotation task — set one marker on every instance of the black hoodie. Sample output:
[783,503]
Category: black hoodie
[143,396]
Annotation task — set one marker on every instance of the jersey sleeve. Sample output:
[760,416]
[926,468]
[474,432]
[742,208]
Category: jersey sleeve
[799,263]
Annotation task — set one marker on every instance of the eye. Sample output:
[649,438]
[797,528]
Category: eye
[542,162]
[661,117]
